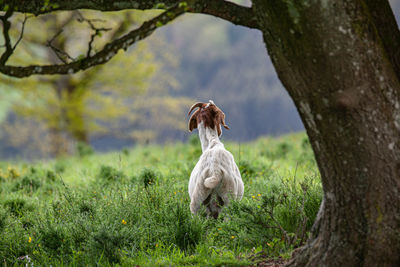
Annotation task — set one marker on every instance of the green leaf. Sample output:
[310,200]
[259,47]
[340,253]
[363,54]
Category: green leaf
[159,6]
[182,4]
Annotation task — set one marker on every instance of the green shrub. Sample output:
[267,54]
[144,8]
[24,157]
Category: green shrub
[305,143]
[87,207]
[17,206]
[247,170]
[148,177]
[34,180]
[84,149]
[107,242]
[286,209]
[51,176]
[125,151]
[3,219]
[59,167]
[55,238]
[27,222]
[188,230]
[110,174]
[280,152]
[29,183]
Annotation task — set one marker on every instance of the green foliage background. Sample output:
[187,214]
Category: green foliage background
[127,99]
[143,94]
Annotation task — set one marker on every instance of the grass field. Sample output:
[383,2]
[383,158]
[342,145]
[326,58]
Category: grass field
[132,207]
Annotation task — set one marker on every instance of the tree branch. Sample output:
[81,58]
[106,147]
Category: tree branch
[96,31]
[7,40]
[22,31]
[57,51]
[238,15]
[103,56]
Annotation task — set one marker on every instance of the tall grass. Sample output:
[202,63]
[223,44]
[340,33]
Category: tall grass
[132,207]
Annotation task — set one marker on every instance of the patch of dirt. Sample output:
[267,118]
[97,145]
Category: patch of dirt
[272,263]
[263,261]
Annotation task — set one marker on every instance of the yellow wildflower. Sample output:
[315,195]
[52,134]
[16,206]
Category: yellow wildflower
[253,196]
[233,237]
[259,195]
[123,221]
[30,240]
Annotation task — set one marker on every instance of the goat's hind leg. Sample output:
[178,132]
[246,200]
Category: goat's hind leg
[207,203]
[213,205]
[199,195]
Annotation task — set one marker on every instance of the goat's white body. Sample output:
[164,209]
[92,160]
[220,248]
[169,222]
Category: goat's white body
[215,175]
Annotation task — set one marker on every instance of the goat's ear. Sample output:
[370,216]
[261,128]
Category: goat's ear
[220,120]
[193,121]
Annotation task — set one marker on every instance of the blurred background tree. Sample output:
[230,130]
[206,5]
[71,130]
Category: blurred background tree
[52,113]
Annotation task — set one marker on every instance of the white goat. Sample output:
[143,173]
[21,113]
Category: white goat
[216,178]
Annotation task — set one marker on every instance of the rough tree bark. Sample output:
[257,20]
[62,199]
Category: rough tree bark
[336,60]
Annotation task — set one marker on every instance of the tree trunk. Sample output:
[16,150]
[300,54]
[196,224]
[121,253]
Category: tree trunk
[337,60]
[58,143]
[72,120]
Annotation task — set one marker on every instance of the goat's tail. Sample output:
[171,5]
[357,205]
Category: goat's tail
[212,182]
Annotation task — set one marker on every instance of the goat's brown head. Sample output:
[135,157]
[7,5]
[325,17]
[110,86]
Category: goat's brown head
[209,114]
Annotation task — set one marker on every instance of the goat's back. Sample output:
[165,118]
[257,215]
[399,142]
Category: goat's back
[217,166]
